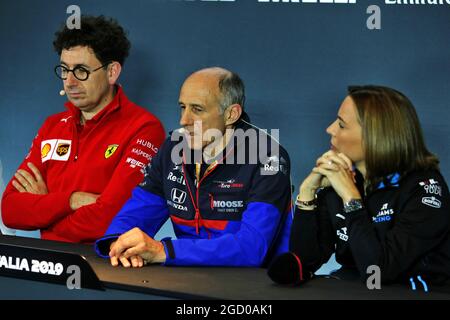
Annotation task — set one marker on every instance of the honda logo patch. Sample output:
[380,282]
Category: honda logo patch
[178,196]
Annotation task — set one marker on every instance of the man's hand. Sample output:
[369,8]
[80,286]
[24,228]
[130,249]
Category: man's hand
[31,183]
[135,248]
[136,261]
[80,199]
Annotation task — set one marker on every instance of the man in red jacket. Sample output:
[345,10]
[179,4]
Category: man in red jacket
[85,161]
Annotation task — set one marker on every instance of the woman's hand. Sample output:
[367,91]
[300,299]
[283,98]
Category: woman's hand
[337,169]
[310,185]
[316,180]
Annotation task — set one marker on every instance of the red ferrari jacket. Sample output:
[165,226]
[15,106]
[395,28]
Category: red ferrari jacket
[104,156]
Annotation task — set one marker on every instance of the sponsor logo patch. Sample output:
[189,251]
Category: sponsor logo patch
[273,165]
[141,153]
[431,186]
[62,149]
[428,182]
[172,177]
[65,119]
[55,149]
[340,216]
[134,163]
[45,150]
[226,206]
[110,150]
[178,196]
[384,214]
[431,202]
[342,234]
[147,144]
[176,205]
[229,184]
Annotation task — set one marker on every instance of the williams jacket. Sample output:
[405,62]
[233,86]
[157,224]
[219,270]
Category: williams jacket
[404,229]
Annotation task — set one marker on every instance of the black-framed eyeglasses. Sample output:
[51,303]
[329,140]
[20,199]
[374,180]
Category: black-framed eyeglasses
[80,72]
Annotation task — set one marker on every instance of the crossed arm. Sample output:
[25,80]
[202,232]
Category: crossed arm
[35,184]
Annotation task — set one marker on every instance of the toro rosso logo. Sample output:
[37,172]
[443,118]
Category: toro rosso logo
[229,184]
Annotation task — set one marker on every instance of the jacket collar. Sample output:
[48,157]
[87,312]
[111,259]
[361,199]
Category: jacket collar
[391,180]
[119,100]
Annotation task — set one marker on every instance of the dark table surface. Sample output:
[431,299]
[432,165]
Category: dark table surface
[157,281]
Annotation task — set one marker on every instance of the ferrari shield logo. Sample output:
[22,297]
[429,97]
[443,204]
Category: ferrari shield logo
[110,150]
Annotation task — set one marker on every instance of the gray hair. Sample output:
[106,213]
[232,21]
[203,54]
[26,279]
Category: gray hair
[232,89]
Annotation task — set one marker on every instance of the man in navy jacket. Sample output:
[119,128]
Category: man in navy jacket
[224,183]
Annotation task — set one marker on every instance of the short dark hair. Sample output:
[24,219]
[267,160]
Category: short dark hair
[104,35]
[391,133]
[232,89]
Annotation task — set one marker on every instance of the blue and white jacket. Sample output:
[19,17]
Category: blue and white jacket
[237,214]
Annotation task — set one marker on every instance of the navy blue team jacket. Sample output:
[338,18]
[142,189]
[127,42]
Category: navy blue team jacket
[237,215]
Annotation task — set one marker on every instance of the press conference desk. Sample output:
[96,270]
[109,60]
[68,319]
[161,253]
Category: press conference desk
[159,282]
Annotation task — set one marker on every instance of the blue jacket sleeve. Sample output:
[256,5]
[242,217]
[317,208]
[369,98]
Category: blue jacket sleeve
[247,247]
[144,210]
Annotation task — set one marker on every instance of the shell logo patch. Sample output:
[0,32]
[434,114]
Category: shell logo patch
[110,150]
[45,150]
